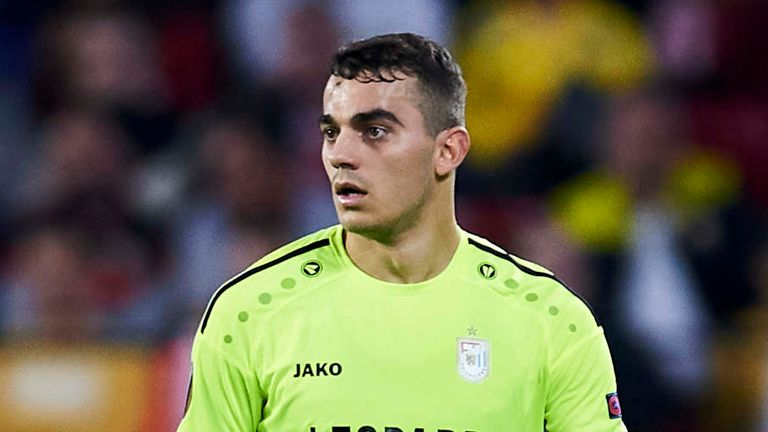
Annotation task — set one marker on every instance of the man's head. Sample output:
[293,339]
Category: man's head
[393,134]
[387,57]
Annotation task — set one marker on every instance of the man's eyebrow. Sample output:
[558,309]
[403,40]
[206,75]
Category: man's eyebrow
[326,119]
[374,115]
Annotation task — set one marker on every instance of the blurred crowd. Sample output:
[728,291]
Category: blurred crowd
[149,150]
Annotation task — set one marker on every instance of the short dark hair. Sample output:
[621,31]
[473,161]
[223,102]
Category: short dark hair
[380,58]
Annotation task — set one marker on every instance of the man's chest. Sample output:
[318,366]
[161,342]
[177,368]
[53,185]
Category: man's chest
[404,367]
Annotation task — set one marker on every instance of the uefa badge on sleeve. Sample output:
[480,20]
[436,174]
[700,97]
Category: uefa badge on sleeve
[473,358]
[614,408]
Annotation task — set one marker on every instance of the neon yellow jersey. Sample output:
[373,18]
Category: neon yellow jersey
[304,341]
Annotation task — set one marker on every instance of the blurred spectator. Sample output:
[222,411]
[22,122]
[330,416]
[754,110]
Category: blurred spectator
[741,33]
[730,110]
[82,151]
[260,35]
[15,154]
[621,210]
[78,213]
[239,211]
[684,36]
[189,56]
[106,58]
[519,57]
[18,23]
[254,34]
[740,358]
[311,37]
[71,281]
[47,296]
[737,125]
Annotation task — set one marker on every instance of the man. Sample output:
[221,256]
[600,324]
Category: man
[397,320]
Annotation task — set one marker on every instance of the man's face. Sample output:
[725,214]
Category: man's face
[377,153]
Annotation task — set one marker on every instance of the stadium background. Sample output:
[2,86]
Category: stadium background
[151,149]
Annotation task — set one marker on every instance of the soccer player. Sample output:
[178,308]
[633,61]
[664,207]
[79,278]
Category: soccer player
[397,320]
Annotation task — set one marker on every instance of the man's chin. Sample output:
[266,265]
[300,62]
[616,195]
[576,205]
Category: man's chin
[356,225]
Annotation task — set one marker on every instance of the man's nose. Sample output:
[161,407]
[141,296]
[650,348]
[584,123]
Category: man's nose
[342,153]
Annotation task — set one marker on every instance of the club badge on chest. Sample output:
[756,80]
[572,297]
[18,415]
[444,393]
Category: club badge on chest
[473,358]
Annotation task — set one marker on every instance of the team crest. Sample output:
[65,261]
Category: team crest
[473,358]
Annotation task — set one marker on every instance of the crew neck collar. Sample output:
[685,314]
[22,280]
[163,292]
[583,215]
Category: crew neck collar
[397,288]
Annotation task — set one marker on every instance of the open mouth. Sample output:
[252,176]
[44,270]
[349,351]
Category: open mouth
[349,193]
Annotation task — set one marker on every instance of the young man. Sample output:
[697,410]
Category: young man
[397,320]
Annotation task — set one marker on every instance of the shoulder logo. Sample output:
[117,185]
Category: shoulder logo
[614,408]
[486,270]
[311,268]
[473,358]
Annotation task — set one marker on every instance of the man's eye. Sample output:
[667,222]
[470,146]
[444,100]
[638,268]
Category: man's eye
[330,133]
[375,132]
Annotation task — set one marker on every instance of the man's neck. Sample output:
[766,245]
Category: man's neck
[410,257]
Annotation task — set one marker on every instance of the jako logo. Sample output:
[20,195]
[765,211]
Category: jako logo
[318,369]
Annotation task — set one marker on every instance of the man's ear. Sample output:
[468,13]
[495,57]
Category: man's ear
[452,148]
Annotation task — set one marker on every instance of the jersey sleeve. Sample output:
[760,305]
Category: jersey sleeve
[581,394]
[222,395]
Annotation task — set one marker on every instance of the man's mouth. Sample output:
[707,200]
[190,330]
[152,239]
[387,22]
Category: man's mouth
[349,194]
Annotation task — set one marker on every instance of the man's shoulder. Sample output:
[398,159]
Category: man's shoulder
[498,256]
[300,246]
[531,285]
[277,273]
